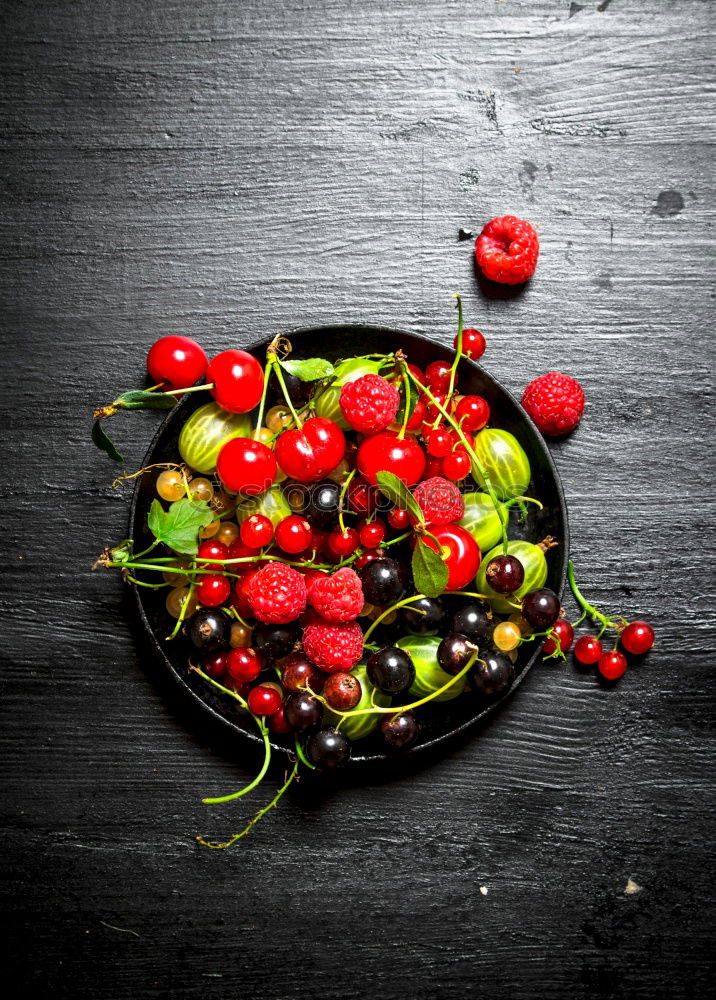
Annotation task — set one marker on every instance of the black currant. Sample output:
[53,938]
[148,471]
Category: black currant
[454,651]
[423,617]
[391,670]
[274,641]
[383,582]
[302,710]
[472,620]
[399,731]
[505,574]
[492,674]
[541,608]
[328,748]
[209,629]
[321,504]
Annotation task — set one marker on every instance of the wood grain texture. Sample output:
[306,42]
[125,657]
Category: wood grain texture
[225,170]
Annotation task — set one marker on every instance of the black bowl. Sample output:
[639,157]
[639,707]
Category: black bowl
[440,722]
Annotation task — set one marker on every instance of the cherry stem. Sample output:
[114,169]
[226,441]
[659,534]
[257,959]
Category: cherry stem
[279,375]
[342,500]
[267,374]
[471,452]
[193,388]
[406,403]
[262,812]
[458,354]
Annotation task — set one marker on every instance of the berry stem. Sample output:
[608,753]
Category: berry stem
[273,361]
[302,756]
[182,612]
[193,388]
[406,404]
[342,499]
[270,360]
[588,608]
[458,353]
[262,812]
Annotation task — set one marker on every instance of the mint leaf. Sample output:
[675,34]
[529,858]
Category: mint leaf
[310,370]
[396,490]
[141,399]
[103,441]
[179,526]
[429,571]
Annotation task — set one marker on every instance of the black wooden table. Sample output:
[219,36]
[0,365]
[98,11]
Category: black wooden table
[224,170]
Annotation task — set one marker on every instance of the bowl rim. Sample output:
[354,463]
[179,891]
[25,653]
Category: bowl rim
[226,724]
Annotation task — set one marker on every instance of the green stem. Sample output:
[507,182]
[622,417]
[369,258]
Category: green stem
[279,375]
[458,353]
[342,499]
[300,753]
[267,375]
[406,415]
[262,812]
[399,538]
[388,611]
[588,608]
[193,388]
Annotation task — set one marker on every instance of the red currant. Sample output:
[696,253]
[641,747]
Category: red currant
[473,343]
[398,519]
[387,452]
[638,638]
[237,550]
[456,465]
[564,633]
[433,467]
[298,674]
[278,723]
[309,453]
[416,418]
[213,590]
[460,552]
[612,665]
[371,533]
[214,665]
[365,557]
[343,543]
[587,650]
[211,549]
[265,699]
[361,497]
[431,410]
[438,375]
[439,442]
[238,380]
[176,362]
[294,534]
[246,466]
[472,413]
[244,665]
[256,531]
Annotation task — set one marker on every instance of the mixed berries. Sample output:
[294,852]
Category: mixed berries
[335,547]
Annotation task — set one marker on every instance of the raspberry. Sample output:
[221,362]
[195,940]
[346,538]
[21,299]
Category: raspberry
[369,404]
[507,250]
[555,402]
[337,598]
[333,647]
[440,501]
[277,594]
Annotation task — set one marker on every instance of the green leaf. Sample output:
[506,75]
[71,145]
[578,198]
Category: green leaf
[310,370]
[122,553]
[103,441]
[141,399]
[396,490]
[414,395]
[179,526]
[430,573]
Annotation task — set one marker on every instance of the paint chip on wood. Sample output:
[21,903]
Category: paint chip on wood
[632,888]
[483,890]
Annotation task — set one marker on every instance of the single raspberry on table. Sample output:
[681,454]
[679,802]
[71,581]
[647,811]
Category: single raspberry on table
[440,501]
[333,647]
[369,404]
[337,598]
[555,402]
[276,594]
[507,250]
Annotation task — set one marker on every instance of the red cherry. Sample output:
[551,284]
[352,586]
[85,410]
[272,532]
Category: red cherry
[371,533]
[439,442]
[612,665]
[638,638]
[238,380]
[176,362]
[472,413]
[587,650]
[213,590]
[246,466]
[237,550]
[309,453]
[438,375]
[343,543]
[564,632]
[398,519]
[278,723]
[387,452]
[256,531]
[244,665]
[456,465]
[294,534]
[460,552]
[214,665]
[264,699]
[211,549]
[473,343]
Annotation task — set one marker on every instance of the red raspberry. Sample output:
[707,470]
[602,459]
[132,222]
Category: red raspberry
[440,501]
[333,647]
[369,404]
[507,250]
[337,598]
[555,402]
[277,594]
